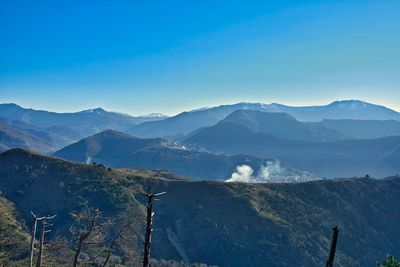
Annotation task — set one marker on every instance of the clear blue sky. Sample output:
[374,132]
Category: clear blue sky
[168,56]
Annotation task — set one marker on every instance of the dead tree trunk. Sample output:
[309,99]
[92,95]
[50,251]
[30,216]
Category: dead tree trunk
[147,242]
[39,260]
[78,251]
[42,234]
[335,233]
[32,248]
[35,220]
[149,222]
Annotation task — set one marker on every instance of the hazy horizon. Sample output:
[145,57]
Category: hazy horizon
[193,108]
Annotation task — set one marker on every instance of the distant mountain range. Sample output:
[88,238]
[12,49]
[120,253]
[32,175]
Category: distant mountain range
[24,135]
[346,109]
[92,121]
[297,143]
[233,224]
[363,129]
[323,142]
[186,122]
[280,125]
[11,137]
[83,123]
[116,149]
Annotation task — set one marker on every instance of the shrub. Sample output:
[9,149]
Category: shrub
[390,261]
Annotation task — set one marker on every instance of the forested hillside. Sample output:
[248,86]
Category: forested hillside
[225,224]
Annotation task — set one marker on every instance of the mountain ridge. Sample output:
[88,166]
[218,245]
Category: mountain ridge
[30,136]
[188,121]
[115,149]
[86,122]
[282,125]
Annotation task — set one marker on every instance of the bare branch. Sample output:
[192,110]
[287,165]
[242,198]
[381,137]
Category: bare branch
[113,243]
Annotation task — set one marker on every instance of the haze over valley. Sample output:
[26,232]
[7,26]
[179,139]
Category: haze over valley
[342,139]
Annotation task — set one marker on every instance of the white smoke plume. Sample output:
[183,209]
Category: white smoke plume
[243,174]
[270,172]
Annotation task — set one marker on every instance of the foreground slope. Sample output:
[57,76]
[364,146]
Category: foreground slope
[231,224]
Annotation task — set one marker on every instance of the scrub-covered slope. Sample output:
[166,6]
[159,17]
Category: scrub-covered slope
[228,224]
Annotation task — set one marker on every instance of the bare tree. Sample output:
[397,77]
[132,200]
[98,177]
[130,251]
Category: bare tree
[92,230]
[33,234]
[45,224]
[85,234]
[113,241]
[149,222]
[35,220]
[132,234]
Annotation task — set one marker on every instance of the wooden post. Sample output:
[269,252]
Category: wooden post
[335,233]
[149,222]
